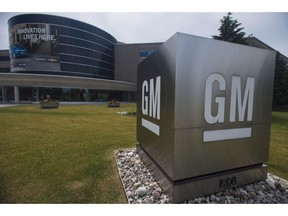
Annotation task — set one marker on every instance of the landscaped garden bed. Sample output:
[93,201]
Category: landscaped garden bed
[113,103]
[49,104]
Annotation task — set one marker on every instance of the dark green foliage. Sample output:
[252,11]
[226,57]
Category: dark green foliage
[230,30]
[280,95]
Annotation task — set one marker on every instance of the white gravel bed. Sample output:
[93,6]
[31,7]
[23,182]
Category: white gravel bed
[140,186]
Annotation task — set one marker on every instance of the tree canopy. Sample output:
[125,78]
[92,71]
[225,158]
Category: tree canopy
[230,30]
[280,82]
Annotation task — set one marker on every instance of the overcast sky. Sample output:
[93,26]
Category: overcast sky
[141,27]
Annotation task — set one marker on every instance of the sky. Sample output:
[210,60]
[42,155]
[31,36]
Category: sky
[142,27]
[137,24]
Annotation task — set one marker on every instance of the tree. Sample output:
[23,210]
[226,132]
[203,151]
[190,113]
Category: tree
[230,30]
[280,93]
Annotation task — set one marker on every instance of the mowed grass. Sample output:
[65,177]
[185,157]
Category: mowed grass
[63,155]
[66,155]
[278,153]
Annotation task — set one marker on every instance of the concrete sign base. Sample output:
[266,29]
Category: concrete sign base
[186,189]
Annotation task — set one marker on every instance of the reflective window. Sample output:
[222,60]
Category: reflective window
[145,53]
[4,58]
[4,70]
[86,52]
[87,61]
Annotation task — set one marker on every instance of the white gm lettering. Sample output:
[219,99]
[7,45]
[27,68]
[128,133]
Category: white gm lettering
[145,98]
[219,100]
[248,98]
[237,103]
[151,95]
[151,103]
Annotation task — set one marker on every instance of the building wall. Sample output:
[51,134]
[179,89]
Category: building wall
[61,46]
[127,57]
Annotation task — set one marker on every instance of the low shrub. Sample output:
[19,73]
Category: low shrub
[113,103]
[49,104]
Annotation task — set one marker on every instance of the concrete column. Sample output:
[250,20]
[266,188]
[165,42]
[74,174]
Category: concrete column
[2,98]
[4,94]
[37,94]
[88,99]
[16,94]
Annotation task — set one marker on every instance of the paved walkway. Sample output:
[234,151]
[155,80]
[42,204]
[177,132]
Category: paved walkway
[7,105]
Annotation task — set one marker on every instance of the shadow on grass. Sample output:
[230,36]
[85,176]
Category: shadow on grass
[39,111]
[3,190]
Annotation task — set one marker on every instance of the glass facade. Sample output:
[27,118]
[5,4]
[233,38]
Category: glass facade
[46,44]
[4,58]
[36,94]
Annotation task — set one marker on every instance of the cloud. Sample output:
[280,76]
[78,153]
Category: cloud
[134,27]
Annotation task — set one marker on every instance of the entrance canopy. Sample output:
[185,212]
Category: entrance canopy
[32,80]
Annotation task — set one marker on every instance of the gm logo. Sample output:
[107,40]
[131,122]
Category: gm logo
[151,103]
[239,104]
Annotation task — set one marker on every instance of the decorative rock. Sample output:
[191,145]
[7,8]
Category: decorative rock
[137,184]
[249,188]
[130,154]
[259,198]
[270,195]
[270,184]
[146,201]
[261,193]
[213,197]
[277,185]
[156,195]
[253,195]
[141,191]
[134,173]
[129,194]
[243,192]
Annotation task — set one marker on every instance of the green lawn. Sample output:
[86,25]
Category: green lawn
[278,154]
[65,155]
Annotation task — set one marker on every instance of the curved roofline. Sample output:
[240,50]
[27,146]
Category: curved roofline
[62,17]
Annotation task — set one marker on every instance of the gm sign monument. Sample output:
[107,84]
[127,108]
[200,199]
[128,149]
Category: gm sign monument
[203,115]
